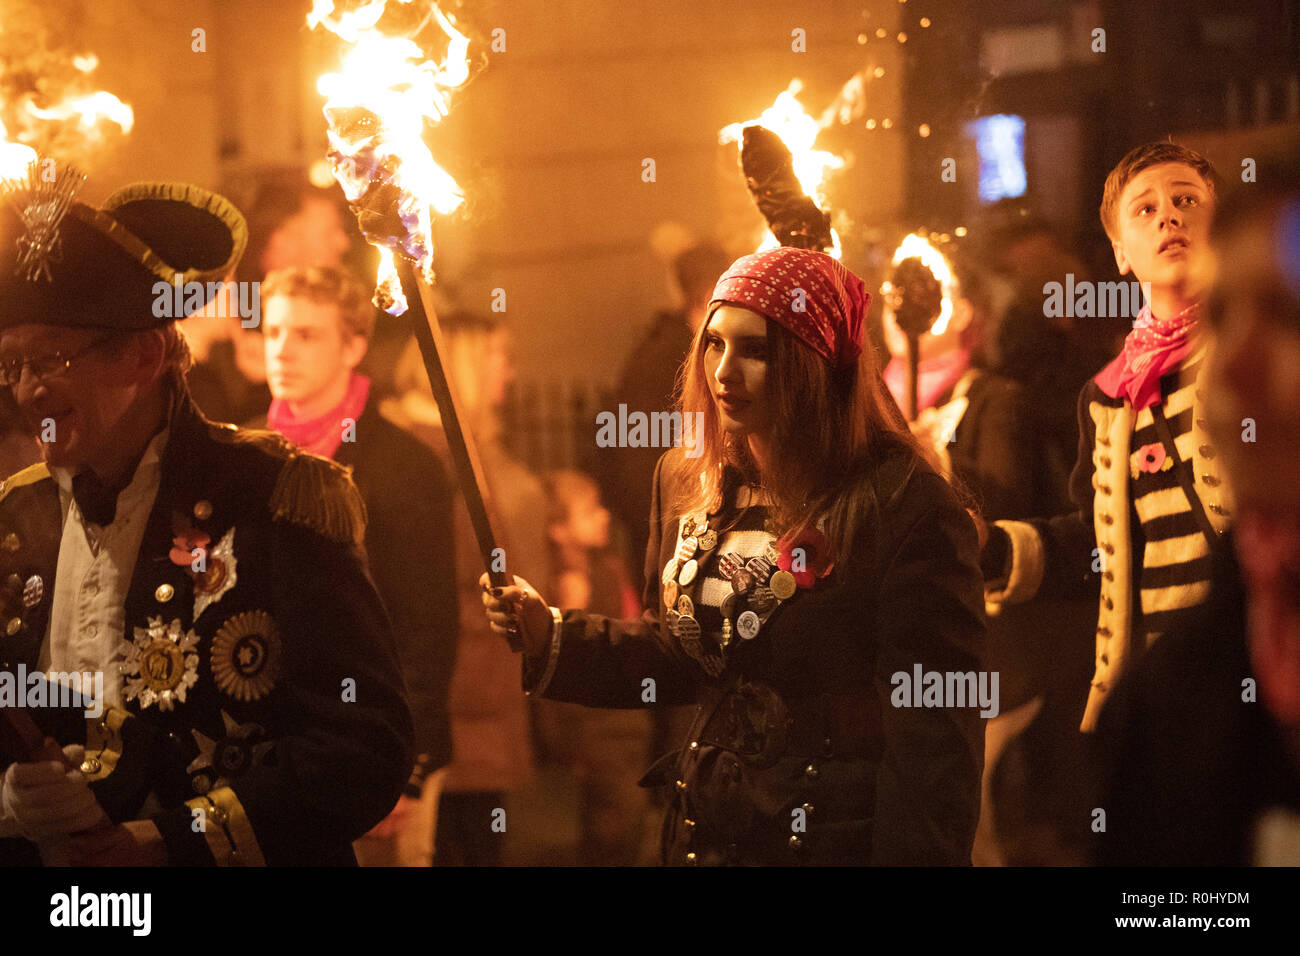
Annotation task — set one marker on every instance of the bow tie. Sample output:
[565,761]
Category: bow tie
[97,501]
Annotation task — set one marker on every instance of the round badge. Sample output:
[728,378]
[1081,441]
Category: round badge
[761,599]
[210,581]
[686,606]
[14,626]
[33,591]
[770,552]
[708,541]
[760,567]
[729,604]
[688,525]
[162,664]
[671,617]
[687,573]
[232,757]
[203,510]
[743,581]
[670,571]
[747,625]
[246,656]
[729,564]
[670,593]
[687,628]
[163,593]
[782,585]
[689,545]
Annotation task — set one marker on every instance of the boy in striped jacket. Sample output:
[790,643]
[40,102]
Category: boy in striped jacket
[1152,499]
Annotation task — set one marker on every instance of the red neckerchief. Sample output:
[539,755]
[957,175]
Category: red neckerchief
[320,436]
[1151,350]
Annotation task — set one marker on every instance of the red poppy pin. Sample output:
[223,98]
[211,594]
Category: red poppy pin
[806,556]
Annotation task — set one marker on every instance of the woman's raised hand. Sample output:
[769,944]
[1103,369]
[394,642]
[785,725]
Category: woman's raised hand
[518,603]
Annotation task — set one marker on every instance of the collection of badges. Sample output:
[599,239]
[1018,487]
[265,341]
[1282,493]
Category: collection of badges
[161,663]
[758,588]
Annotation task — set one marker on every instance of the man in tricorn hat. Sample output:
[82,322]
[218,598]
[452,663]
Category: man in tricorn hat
[250,710]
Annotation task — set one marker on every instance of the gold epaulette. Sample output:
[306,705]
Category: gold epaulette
[319,494]
[28,476]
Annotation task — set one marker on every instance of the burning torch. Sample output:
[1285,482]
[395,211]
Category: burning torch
[377,107]
[920,296]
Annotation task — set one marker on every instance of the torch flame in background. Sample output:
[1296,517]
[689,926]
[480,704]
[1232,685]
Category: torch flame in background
[787,118]
[69,128]
[377,106]
[919,247]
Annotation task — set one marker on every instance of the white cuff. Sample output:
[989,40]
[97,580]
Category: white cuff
[1027,564]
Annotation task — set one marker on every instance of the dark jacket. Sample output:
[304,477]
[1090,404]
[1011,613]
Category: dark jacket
[295,738]
[801,719]
[409,541]
[1190,756]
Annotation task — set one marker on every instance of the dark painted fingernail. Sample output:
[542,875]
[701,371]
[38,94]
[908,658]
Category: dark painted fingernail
[496,592]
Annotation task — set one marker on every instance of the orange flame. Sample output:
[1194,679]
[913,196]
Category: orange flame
[787,118]
[917,246]
[377,105]
[70,127]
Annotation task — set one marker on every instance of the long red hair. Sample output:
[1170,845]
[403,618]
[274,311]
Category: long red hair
[829,427]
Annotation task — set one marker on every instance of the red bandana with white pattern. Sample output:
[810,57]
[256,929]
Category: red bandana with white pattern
[809,293]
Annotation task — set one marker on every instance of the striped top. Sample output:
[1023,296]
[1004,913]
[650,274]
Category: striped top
[744,533]
[1175,569]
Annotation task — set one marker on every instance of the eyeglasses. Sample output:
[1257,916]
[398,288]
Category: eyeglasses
[45,367]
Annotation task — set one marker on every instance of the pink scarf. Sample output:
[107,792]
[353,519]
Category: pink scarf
[934,376]
[1152,349]
[320,436]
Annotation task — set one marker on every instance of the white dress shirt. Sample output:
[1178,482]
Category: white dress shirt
[88,617]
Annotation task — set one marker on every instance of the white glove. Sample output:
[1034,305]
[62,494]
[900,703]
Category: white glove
[47,799]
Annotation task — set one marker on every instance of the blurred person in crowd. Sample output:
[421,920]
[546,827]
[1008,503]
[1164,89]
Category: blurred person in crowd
[291,224]
[208,582]
[1152,500]
[1203,738]
[981,427]
[607,750]
[648,384]
[490,727]
[317,323]
[1029,252]
[811,560]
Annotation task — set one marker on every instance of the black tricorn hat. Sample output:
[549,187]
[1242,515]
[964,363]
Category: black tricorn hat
[65,263]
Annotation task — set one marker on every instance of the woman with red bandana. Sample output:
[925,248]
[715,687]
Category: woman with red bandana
[805,569]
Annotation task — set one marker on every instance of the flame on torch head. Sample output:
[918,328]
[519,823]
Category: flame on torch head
[916,246]
[377,106]
[787,118]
